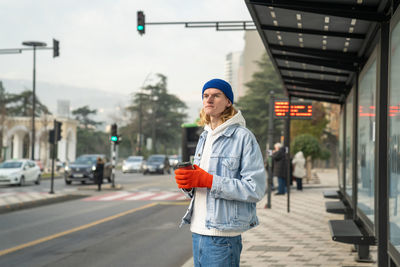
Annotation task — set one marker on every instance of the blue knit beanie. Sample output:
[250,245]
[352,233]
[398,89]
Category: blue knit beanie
[222,85]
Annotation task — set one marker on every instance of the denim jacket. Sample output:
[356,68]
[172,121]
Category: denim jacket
[239,180]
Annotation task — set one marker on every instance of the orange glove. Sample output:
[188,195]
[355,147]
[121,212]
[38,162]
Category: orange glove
[196,177]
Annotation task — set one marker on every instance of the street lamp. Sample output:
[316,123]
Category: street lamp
[34,44]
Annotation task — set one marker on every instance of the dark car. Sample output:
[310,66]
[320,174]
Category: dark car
[157,164]
[82,169]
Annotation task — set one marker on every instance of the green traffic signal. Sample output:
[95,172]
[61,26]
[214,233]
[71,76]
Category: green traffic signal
[114,138]
[140,28]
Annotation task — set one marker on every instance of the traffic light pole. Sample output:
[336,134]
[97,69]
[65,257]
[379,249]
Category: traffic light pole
[114,148]
[52,158]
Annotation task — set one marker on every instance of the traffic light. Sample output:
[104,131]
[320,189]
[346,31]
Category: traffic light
[140,22]
[51,136]
[114,133]
[58,130]
[56,48]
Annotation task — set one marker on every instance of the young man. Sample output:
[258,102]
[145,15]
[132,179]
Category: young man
[227,180]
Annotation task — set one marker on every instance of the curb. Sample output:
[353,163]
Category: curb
[40,202]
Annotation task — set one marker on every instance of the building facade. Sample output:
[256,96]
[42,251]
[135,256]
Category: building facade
[17,133]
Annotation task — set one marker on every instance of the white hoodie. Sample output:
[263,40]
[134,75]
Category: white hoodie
[198,220]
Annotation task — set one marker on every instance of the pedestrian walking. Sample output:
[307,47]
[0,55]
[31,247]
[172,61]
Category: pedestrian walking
[227,179]
[299,170]
[280,167]
[98,173]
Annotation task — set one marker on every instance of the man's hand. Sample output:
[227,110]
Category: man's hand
[193,178]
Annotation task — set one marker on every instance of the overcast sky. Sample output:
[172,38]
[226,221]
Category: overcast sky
[100,47]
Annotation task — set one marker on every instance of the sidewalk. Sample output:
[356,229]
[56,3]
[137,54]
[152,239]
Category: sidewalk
[298,238]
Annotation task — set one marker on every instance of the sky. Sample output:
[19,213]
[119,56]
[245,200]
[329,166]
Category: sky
[101,49]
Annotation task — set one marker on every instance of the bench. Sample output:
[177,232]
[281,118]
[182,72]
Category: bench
[337,207]
[348,231]
[331,194]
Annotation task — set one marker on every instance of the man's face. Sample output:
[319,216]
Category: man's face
[215,102]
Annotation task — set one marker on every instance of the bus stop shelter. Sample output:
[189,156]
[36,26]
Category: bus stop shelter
[345,52]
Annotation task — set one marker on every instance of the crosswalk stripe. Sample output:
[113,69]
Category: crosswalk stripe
[141,196]
[118,195]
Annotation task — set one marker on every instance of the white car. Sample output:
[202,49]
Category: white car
[132,164]
[19,172]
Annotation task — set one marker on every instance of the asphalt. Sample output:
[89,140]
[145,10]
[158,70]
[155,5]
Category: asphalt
[300,237]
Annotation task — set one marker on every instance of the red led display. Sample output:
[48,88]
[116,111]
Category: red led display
[298,109]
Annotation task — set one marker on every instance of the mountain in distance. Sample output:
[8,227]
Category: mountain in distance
[107,104]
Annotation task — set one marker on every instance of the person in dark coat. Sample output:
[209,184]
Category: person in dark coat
[280,167]
[99,172]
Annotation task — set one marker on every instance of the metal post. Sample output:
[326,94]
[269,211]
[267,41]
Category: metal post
[381,147]
[53,156]
[33,103]
[287,145]
[270,146]
[113,165]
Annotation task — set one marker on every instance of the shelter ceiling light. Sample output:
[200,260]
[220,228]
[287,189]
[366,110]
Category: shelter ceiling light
[299,25]
[353,22]
[326,19]
[326,27]
[279,37]
[345,49]
[298,16]
[351,29]
[281,43]
[275,22]
[273,14]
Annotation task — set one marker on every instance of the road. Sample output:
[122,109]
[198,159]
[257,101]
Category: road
[137,226]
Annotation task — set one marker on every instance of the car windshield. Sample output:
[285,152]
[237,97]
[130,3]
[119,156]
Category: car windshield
[86,160]
[134,159]
[156,159]
[11,165]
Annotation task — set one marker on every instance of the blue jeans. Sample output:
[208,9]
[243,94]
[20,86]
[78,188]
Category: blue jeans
[281,185]
[216,251]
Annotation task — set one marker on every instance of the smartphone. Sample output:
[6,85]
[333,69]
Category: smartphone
[186,165]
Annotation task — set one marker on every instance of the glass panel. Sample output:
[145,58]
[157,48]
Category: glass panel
[349,145]
[340,151]
[394,139]
[366,142]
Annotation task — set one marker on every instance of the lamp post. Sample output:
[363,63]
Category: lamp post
[34,44]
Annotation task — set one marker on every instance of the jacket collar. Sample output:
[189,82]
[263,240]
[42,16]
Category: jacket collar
[227,132]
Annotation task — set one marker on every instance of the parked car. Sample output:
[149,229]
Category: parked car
[19,172]
[174,160]
[132,164]
[157,164]
[82,169]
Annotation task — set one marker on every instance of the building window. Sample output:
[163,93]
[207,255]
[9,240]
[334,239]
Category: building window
[394,138]
[366,141]
[349,145]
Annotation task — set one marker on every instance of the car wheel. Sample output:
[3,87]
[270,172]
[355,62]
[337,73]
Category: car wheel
[22,181]
[67,182]
[38,180]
